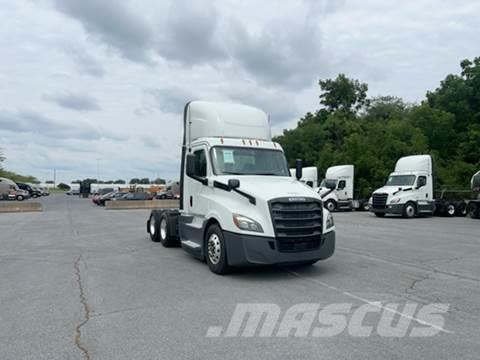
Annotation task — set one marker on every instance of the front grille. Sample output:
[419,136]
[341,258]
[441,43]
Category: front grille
[297,224]
[379,201]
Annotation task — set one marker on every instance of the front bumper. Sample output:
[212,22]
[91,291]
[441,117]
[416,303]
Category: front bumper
[245,250]
[389,209]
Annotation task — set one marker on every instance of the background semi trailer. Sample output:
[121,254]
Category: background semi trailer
[238,204]
[337,189]
[409,191]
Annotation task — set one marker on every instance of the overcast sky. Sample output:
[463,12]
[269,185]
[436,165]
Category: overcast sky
[82,80]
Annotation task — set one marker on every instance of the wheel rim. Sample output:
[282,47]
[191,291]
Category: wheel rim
[451,210]
[410,211]
[330,206]
[214,249]
[163,229]
[152,226]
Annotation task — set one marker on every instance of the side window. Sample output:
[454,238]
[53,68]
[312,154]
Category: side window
[341,185]
[422,181]
[200,163]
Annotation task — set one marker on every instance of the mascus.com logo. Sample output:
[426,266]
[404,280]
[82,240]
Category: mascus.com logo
[312,319]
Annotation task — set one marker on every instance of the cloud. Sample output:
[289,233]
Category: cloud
[189,35]
[27,121]
[281,53]
[113,23]
[73,101]
[85,62]
[169,100]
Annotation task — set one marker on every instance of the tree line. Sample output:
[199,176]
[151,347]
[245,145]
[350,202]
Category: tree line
[372,133]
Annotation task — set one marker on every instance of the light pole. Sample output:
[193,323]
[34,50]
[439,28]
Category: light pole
[98,170]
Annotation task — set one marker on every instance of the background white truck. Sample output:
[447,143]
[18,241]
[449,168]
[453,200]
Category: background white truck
[309,176]
[238,204]
[337,189]
[409,191]
[473,207]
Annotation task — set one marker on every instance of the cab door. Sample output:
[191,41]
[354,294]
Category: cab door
[197,201]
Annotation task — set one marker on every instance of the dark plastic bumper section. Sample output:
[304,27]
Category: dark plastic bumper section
[243,250]
[389,209]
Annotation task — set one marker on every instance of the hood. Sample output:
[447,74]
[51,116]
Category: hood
[271,187]
[323,191]
[391,189]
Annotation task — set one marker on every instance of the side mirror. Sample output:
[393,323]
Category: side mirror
[298,169]
[233,184]
[310,183]
[190,166]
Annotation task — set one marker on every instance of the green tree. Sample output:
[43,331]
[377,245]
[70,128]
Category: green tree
[119,181]
[343,93]
[63,187]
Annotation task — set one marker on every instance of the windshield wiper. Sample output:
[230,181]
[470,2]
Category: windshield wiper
[232,173]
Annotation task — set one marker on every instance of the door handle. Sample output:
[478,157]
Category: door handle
[191,201]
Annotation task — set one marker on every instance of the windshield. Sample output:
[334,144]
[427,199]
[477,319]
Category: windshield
[248,161]
[401,180]
[329,183]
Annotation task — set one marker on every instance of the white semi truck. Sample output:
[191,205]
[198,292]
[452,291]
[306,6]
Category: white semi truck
[309,176]
[337,189]
[238,204]
[408,190]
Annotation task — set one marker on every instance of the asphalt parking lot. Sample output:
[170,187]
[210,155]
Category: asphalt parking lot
[77,281]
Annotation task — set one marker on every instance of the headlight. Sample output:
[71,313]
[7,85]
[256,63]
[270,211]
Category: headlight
[370,201]
[395,200]
[329,221]
[245,223]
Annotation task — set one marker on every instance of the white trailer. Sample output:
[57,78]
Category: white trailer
[238,204]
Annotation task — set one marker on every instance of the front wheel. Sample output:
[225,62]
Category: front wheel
[216,253]
[331,205]
[409,210]
[20,198]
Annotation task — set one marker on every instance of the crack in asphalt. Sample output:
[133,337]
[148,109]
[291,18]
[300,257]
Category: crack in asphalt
[415,282]
[86,310]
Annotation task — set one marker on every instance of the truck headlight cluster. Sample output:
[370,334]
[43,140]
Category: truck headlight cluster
[245,223]
[330,222]
[395,200]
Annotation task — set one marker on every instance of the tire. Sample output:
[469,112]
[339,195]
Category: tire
[216,252]
[472,210]
[154,226]
[409,210]
[331,205]
[20,198]
[450,210]
[380,215]
[365,206]
[462,209]
[168,236]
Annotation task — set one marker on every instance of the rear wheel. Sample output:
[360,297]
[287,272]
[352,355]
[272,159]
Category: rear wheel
[216,252]
[473,210]
[380,215]
[450,210]
[409,210]
[153,226]
[168,236]
[20,198]
[331,205]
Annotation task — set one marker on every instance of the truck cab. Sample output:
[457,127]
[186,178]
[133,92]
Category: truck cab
[408,190]
[238,204]
[309,176]
[336,190]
